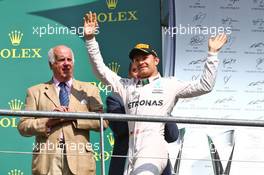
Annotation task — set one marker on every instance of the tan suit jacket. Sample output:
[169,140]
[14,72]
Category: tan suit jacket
[43,97]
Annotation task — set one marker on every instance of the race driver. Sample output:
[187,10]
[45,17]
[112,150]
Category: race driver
[150,94]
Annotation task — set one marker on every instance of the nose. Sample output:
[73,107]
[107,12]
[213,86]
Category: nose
[66,62]
[141,61]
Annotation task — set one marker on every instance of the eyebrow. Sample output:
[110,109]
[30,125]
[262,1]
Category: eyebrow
[63,57]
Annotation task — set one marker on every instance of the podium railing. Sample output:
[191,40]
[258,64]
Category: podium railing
[126,117]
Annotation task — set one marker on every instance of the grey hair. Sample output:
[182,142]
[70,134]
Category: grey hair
[51,55]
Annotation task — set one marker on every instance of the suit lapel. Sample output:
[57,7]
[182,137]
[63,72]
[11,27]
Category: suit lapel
[51,93]
[75,95]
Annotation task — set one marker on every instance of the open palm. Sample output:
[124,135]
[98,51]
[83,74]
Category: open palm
[90,25]
[216,43]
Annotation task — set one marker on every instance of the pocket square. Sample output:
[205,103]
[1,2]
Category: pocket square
[84,102]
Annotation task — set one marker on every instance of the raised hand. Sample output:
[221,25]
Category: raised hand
[90,25]
[216,43]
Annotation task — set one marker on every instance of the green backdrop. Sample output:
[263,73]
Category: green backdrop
[23,56]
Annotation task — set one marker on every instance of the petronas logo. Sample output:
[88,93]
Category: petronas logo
[15,37]
[15,105]
[111,4]
[114,66]
[15,172]
[111,139]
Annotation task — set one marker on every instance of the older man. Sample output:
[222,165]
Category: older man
[62,146]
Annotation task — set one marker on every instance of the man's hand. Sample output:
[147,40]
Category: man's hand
[52,122]
[61,109]
[216,43]
[90,25]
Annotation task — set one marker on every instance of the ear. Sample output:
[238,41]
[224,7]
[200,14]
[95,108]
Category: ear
[157,60]
[50,65]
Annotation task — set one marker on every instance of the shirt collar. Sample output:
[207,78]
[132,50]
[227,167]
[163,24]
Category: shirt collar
[151,79]
[68,83]
[145,81]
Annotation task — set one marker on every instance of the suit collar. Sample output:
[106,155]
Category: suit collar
[51,93]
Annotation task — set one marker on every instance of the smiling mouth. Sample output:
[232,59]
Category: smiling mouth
[143,67]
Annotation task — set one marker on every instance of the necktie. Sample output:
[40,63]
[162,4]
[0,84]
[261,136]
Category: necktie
[63,95]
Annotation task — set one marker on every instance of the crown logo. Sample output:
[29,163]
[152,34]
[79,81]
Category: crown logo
[111,139]
[15,172]
[111,4]
[15,105]
[15,37]
[114,67]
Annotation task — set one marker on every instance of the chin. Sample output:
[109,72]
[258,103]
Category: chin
[66,77]
[143,75]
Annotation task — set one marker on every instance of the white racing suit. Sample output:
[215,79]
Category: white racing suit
[147,147]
